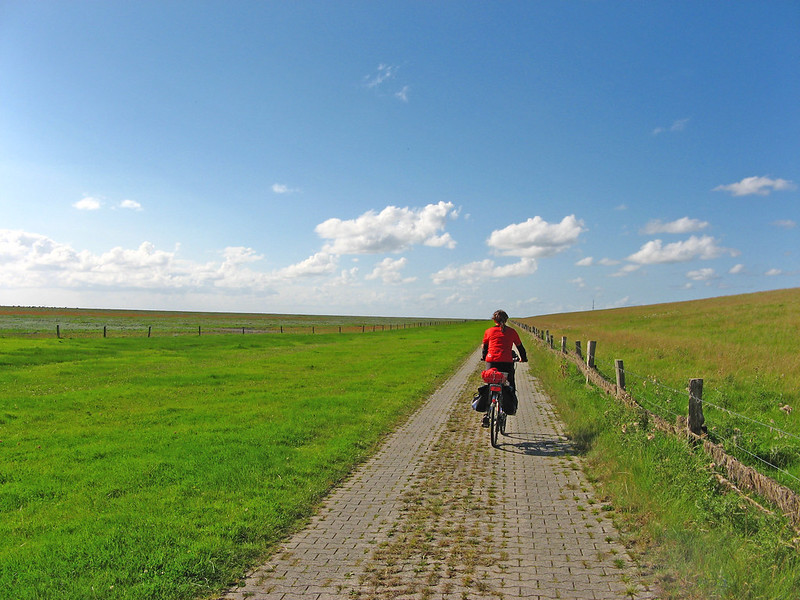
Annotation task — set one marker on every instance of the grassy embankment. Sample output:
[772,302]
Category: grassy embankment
[162,468]
[700,541]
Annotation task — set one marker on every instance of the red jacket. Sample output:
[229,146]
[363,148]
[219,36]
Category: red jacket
[497,344]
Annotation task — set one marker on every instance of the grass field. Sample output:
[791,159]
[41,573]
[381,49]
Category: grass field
[695,538]
[745,348]
[162,468]
[77,322]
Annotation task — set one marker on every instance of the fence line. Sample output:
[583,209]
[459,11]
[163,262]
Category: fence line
[786,499]
[222,330]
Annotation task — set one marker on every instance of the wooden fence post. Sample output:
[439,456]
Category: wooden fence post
[696,422]
[620,369]
[149,330]
[198,330]
[563,344]
[58,331]
[578,349]
[104,331]
[591,347]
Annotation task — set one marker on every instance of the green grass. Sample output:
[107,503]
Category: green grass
[74,322]
[693,538]
[746,349]
[697,539]
[163,468]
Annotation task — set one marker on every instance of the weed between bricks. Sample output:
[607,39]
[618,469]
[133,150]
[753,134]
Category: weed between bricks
[447,539]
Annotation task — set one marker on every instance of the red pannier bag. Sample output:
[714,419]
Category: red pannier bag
[493,376]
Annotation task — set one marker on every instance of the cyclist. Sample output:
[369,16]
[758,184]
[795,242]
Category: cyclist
[498,352]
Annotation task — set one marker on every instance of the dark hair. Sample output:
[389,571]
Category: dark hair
[500,317]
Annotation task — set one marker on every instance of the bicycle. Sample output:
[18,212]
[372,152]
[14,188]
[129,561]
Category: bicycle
[497,416]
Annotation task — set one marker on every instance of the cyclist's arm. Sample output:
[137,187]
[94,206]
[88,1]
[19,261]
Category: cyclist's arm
[523,356]
[484,350]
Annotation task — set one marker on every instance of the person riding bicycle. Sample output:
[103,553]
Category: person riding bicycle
[498,349]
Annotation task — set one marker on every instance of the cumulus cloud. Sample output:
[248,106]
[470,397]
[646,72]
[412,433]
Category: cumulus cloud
[388,270]
[280,188]
[683,225]
[706,274]
[655,252]
[585,262]
[30,260]
[391,230]
[478,271]
[627,270]
[736,269]
[536,237]
[321,263]
[88,203]
[773,272]
[130,205]
[760,186]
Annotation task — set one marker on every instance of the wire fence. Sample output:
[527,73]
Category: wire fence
[746,446]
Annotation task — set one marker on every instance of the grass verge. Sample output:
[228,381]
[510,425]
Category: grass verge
[696,539]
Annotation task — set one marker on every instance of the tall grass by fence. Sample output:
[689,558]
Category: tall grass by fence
[715,436]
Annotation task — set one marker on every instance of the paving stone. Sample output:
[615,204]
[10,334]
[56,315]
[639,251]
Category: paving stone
[437,513]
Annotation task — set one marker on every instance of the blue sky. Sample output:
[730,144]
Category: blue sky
[397,158]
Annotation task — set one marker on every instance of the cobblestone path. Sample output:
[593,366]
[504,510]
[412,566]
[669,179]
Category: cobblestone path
[439,514]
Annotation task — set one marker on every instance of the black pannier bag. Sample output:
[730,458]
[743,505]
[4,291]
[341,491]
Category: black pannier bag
[480,401]
[509,400]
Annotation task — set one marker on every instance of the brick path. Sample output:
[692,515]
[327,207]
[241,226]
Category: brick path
[439,514]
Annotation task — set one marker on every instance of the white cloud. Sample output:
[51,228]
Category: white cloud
[585,262]
[655,252]
[388,270]
[627,270]
[773,272]
[130,204]
[391,230]
[677,126]
[702,275]
[321,263]
[403,93]
[785,224]
[736,269]
[579,282]
[383,73]
[536,237]
[280,188]
[760,186]
[683,225]
[88,203]
[29,260]
[475,272]
[237,255]
[608,262]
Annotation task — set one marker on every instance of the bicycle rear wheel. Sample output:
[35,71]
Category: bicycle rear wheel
[494,424]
